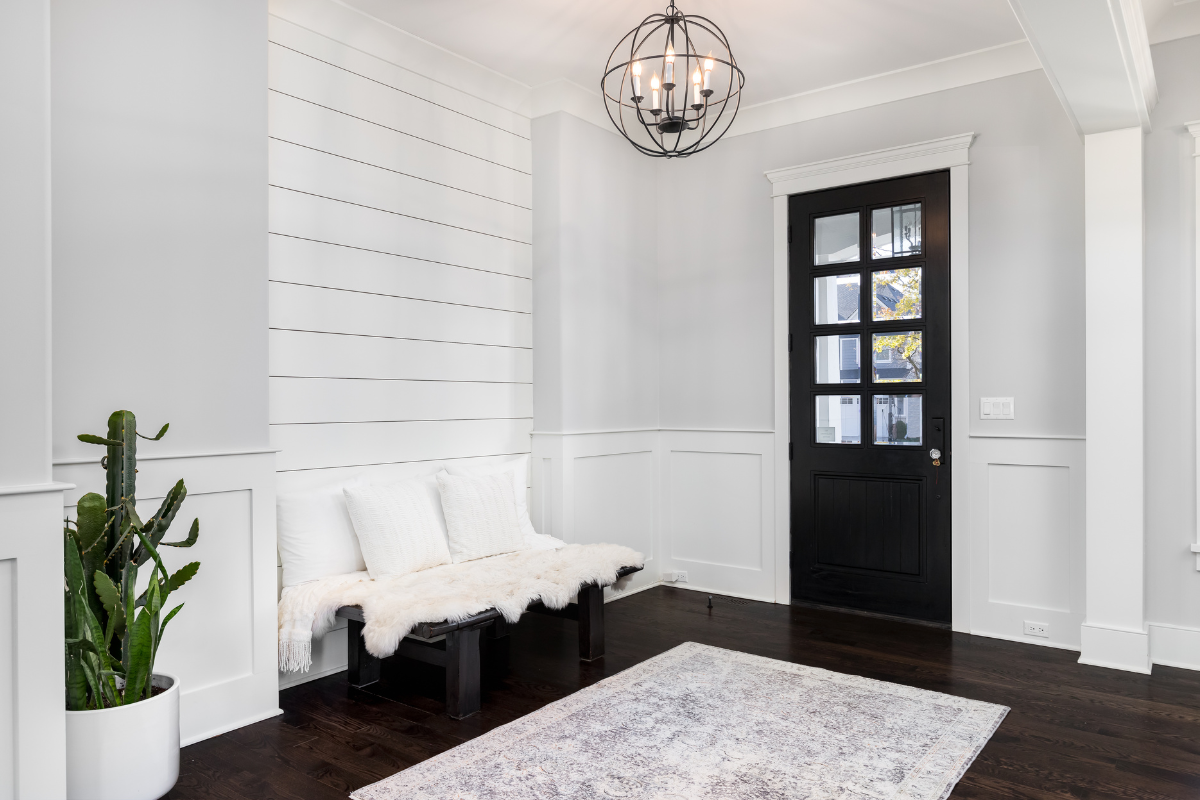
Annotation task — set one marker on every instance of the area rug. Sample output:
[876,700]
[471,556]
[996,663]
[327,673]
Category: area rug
[701,722]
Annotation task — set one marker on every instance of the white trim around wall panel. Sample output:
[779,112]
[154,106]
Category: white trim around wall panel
[951,153]
[1027,518]
[223,644]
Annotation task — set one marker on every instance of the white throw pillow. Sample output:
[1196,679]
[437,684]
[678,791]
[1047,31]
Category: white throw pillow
[517,469]
[481,516]
[316,536]
[399,526]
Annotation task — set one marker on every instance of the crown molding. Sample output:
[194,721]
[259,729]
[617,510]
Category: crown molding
[909,159]
[565,95]
[988,64]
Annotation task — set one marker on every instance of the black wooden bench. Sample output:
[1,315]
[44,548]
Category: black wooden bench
[456,646]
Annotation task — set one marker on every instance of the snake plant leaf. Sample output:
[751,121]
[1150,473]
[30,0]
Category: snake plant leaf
[193,534]
[163,627]
[137,672]
[90,439]
[158,436]
[83,645]
[182,576]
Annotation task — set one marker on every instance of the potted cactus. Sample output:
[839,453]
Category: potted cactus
[118,707]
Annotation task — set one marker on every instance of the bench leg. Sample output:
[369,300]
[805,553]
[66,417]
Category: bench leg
[591,622]
[363,667]
[462,673]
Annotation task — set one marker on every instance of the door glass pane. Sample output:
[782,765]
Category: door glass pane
[835,298]
[896,231]
[897,419]
[896,294]
[835,239]
[839,419]
[896,357]
[837,358]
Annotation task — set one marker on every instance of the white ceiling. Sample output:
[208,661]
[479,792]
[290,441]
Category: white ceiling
[785,47]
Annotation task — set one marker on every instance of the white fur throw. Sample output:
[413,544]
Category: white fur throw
[392,606]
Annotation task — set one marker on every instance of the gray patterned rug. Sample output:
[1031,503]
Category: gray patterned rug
[702,722]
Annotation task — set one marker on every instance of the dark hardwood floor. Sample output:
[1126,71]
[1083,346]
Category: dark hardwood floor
[1073,732]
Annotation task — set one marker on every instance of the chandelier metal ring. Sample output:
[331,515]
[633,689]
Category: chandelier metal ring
[669,121]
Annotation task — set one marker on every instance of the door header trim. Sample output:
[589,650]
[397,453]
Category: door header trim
[891,162]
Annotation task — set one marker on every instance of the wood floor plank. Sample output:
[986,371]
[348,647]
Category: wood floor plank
[1074,731]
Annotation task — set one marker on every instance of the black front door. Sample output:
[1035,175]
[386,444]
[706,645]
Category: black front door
[869,284]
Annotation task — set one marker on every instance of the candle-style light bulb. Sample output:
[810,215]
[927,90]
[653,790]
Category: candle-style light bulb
[654,84]
[696,101]
[708,68]
[636,69]
[669,67]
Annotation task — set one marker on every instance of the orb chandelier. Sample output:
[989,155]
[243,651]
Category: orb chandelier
[668,99]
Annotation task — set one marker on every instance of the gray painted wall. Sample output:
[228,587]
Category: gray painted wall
[1173,585]
[160,216]
[1026,255]
[595,358]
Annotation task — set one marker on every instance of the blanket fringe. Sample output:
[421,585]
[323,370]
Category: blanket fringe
[295,655]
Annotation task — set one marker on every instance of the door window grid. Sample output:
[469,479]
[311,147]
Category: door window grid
[895,295]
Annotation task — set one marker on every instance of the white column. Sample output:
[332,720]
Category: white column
[32,716]
[1114,634]
[1194,130]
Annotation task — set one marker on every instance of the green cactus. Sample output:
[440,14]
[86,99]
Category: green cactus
[113,633]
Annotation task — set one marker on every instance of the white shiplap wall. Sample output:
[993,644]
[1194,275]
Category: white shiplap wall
[400,256]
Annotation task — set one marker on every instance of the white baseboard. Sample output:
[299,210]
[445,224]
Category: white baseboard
[1115,648]
[200,737]
[1174,646]
[692,587]
[289,679]
[1026,640]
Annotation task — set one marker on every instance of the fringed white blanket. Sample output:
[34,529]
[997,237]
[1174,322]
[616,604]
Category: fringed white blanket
[393,606]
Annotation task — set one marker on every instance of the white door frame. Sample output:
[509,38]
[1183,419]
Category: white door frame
[949,153]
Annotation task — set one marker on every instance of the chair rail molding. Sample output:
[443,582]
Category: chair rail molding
[951,153]
[1194,129]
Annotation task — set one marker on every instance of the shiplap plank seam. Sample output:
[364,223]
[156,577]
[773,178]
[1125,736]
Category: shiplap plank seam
[402,133]
[414,461]
[398,297]
[400,214]
[455,111]
[400,255]
[414,380]
[399,172]
[402,338]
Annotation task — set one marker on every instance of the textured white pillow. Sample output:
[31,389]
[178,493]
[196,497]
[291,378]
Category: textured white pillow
[517,469]
[316,536]
[481,516]
[399,526]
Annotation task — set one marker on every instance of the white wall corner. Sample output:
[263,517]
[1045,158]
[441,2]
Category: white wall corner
[565,95]
[1194,129]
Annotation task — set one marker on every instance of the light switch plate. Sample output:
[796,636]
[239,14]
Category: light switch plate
[997,408]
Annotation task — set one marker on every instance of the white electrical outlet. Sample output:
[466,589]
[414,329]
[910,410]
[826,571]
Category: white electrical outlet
[681,577]
[1037,629]
[997,408]
[675,577]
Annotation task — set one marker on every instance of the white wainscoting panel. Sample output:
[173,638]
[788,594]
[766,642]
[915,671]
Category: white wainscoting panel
[599,487]
[719,511]
[222,645]
[614,497]
[400,260]
[1027,538]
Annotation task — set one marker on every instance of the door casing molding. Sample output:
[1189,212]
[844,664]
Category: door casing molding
[952,153]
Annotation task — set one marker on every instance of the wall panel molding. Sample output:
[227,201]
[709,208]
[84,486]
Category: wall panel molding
[233,495]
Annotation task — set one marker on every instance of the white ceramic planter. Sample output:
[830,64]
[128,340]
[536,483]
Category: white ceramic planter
[125,753]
